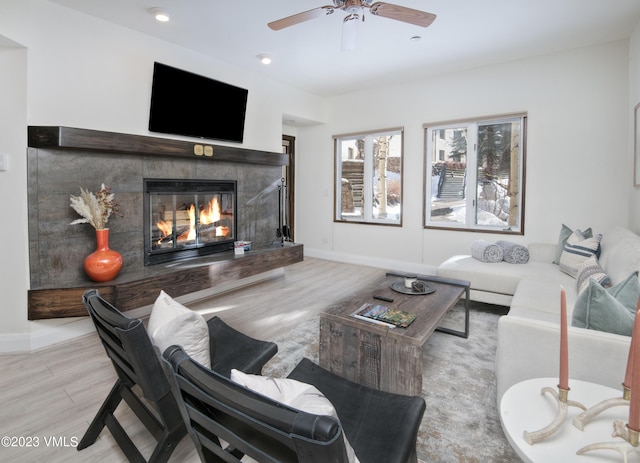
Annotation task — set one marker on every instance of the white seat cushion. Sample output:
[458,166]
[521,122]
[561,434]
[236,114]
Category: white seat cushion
[499,277]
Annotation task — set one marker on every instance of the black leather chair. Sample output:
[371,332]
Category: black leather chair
[137,362]
[227,421]
[230,348]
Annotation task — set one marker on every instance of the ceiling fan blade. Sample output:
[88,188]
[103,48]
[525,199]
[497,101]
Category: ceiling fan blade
[402,13]
[301,17]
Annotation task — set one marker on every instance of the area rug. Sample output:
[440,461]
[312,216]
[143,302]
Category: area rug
[461,422]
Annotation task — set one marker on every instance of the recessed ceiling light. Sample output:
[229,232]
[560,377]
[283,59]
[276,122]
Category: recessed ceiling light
[264,59]
[415,38]
[160,14]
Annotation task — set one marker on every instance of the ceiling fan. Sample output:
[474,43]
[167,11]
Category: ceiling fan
[355,11]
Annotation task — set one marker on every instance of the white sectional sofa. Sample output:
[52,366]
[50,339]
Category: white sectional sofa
[529,336]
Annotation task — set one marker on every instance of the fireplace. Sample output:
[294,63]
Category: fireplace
[188,218]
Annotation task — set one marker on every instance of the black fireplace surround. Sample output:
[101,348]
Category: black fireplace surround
[188,218]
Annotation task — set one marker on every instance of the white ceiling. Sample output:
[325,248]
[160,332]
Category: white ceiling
[466,34]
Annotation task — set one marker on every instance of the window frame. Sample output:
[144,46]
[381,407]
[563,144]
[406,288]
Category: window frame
[368,167]
[471,203]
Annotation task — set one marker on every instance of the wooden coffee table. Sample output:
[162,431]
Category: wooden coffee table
[386,358]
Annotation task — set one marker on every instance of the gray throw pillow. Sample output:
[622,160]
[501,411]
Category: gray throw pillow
[608,309]
[514,253]
[487,252]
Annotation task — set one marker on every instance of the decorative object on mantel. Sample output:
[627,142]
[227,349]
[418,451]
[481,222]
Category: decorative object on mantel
[631,431]
[104,263]
[562,395]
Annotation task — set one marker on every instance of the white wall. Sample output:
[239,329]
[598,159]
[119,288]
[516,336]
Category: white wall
[577,170]
[79,71]
[14,273]
[74,70]
[634,99]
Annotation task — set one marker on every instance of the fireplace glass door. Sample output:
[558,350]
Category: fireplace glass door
[188,218]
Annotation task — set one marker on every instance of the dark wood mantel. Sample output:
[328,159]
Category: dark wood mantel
[59,293]
[138,289]
[96,140]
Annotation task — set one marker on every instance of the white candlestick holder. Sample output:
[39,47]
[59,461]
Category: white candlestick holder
[561,398]
[626,447]
[590,414]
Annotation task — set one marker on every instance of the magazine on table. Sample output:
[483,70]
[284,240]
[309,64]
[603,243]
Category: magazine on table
[383,315]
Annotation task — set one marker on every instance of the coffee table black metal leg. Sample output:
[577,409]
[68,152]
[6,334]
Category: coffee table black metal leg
[465,333]
[450,281]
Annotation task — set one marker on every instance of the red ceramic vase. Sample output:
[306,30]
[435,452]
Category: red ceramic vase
[103,264]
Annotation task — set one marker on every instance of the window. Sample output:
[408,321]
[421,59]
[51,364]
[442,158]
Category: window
[479,182]
[368,182]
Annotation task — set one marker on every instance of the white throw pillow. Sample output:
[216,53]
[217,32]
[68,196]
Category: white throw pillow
[295,394]
[577,250]
[172,323]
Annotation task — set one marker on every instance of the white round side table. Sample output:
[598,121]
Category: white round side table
[524,408]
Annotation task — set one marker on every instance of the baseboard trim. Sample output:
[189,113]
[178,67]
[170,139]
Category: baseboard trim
[15,343]
[369,261]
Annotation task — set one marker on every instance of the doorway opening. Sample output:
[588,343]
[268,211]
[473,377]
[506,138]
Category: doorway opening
[288,174]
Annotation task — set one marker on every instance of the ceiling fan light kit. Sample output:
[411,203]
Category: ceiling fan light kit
[355,8]
[350,28]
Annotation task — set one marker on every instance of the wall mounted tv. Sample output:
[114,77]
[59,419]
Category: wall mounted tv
[184,103]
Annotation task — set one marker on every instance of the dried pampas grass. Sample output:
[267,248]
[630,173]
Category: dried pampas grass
[94,209]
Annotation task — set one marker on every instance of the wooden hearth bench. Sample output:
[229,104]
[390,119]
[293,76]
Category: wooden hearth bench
[131,290]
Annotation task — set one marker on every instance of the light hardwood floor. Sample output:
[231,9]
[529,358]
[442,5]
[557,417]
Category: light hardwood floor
[49,397]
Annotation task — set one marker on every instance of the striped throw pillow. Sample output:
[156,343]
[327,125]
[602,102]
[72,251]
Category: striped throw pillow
[592,270]
[577,250]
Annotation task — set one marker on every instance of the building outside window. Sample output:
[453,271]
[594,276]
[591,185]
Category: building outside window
[478,183]
[368,181]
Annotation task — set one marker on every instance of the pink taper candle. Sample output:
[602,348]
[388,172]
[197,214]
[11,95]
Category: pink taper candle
[634,407]
[564,345]
[629,372]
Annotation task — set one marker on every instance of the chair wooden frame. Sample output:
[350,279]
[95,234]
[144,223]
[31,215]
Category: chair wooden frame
[127,344]
[137,362]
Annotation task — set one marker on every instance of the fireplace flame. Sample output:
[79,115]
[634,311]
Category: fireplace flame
[165,227]
[209,215]
[191,234]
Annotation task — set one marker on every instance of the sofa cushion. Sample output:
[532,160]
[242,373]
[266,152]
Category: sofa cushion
[499,278]
[565,233]
[611,310]
[295,394]
[539,299]
[172,323]
[577,250]
[591,269]
[620,253]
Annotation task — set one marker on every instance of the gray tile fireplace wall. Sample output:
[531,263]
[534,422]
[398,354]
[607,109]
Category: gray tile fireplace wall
[57,249]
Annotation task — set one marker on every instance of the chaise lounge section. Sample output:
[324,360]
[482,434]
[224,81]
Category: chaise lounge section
[529,336]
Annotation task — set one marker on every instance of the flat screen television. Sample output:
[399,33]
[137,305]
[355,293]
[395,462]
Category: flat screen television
[184,103]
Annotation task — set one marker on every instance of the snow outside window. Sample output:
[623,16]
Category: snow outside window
[368,183]
[475,175]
